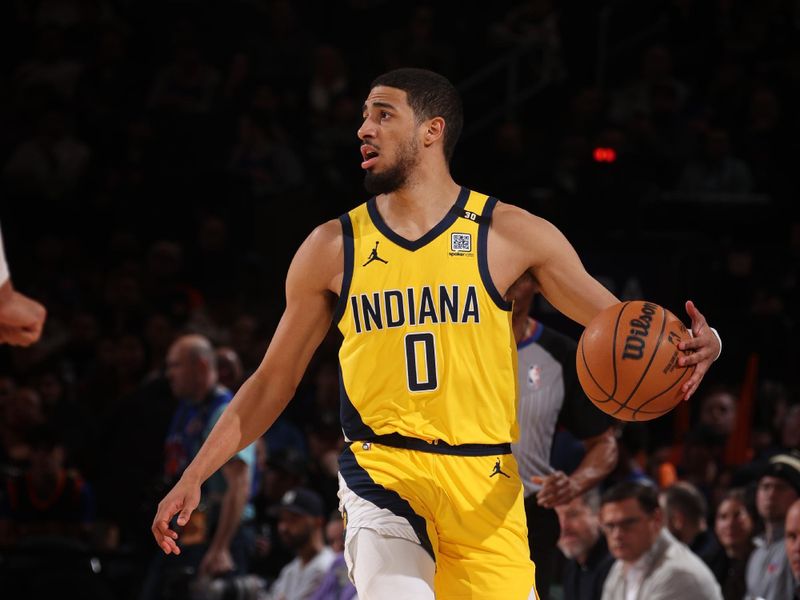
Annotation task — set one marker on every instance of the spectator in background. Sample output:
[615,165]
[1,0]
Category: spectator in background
[336,584]
[285,470]
[718,412]
[187,84]
[328,81]
[685,512]
[790,429]
[266,164]
[641,97]
[300,527]
[733,526]
[793,544]
[717,171]
[46,500]
[768,572]
[583,544]
[50,67]
[22,414]
[218,540]
[229,367]
[51,163]
[650,562]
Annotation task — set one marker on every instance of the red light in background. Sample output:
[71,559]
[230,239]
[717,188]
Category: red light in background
[604,155]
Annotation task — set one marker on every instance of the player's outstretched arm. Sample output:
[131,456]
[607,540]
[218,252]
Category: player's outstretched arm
[314,275]
[527,242]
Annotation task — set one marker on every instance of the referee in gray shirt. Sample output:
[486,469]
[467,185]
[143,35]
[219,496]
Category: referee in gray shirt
[551,397]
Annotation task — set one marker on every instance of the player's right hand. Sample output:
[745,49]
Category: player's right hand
[183,499]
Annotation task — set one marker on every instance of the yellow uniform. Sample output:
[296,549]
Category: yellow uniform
[428,399]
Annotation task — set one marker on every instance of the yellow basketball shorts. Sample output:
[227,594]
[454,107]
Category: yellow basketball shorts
[466,511]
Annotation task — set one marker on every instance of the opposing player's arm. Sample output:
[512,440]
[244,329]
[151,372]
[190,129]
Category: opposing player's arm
[313,276]
[536,245]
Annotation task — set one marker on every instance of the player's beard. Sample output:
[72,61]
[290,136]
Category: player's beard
[396,176]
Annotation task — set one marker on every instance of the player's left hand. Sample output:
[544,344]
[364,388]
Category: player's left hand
[705,348]
[557,488]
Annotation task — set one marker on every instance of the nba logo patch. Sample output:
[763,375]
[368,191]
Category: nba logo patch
[535,376]
[460,242]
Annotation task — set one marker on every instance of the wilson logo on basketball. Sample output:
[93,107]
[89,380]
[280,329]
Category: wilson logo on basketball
[640,328]
[647,383]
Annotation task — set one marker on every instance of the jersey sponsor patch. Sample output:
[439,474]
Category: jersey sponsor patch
[461,242]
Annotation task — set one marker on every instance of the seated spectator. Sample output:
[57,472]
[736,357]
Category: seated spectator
[650,563]
[768,573]
[336,584]
[717,171]
[583,544]
[734,528]
[685,515]
[284,471]
[793,544]
[22,413]
[300,528]
[46,500]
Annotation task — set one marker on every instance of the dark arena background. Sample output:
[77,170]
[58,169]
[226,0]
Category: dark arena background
[161,161]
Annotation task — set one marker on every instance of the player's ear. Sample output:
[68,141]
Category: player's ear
[434,130]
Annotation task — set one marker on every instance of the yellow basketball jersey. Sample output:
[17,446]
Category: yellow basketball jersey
[428,348]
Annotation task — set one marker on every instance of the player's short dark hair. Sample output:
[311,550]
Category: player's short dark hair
[645,495]
[686,498]
[429,95]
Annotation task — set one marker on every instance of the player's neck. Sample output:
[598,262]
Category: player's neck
[420,204]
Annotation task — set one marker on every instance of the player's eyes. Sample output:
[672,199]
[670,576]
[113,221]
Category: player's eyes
[384,115]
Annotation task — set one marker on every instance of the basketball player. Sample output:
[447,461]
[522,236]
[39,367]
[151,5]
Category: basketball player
[21,318]
[415,279]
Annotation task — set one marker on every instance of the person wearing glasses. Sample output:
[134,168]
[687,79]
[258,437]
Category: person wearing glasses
[650,562]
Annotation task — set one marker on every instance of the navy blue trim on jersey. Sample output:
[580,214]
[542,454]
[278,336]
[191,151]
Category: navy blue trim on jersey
[395,440]
[353,425]
[347,275]
[359,480]
[447,221]
[483,256]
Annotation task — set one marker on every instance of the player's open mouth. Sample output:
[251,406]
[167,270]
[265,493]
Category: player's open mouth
[369,154]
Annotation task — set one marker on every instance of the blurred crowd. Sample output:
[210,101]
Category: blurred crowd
[161,161]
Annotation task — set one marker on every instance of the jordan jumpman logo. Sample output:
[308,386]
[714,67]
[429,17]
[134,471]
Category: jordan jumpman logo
[374,256]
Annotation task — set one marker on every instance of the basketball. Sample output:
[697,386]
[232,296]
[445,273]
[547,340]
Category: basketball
[627,361]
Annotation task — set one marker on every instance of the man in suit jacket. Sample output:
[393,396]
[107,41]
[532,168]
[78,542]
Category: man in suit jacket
[651,564]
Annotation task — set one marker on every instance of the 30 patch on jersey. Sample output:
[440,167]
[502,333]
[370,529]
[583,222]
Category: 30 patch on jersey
[461,242]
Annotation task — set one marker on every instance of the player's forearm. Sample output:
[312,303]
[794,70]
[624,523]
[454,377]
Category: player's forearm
[599,460]
[254,408]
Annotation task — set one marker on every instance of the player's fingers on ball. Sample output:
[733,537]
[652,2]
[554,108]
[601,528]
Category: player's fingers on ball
[690,344]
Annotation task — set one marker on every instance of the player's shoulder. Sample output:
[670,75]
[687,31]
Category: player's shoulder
[319,259]
[510,219]
[327,235]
